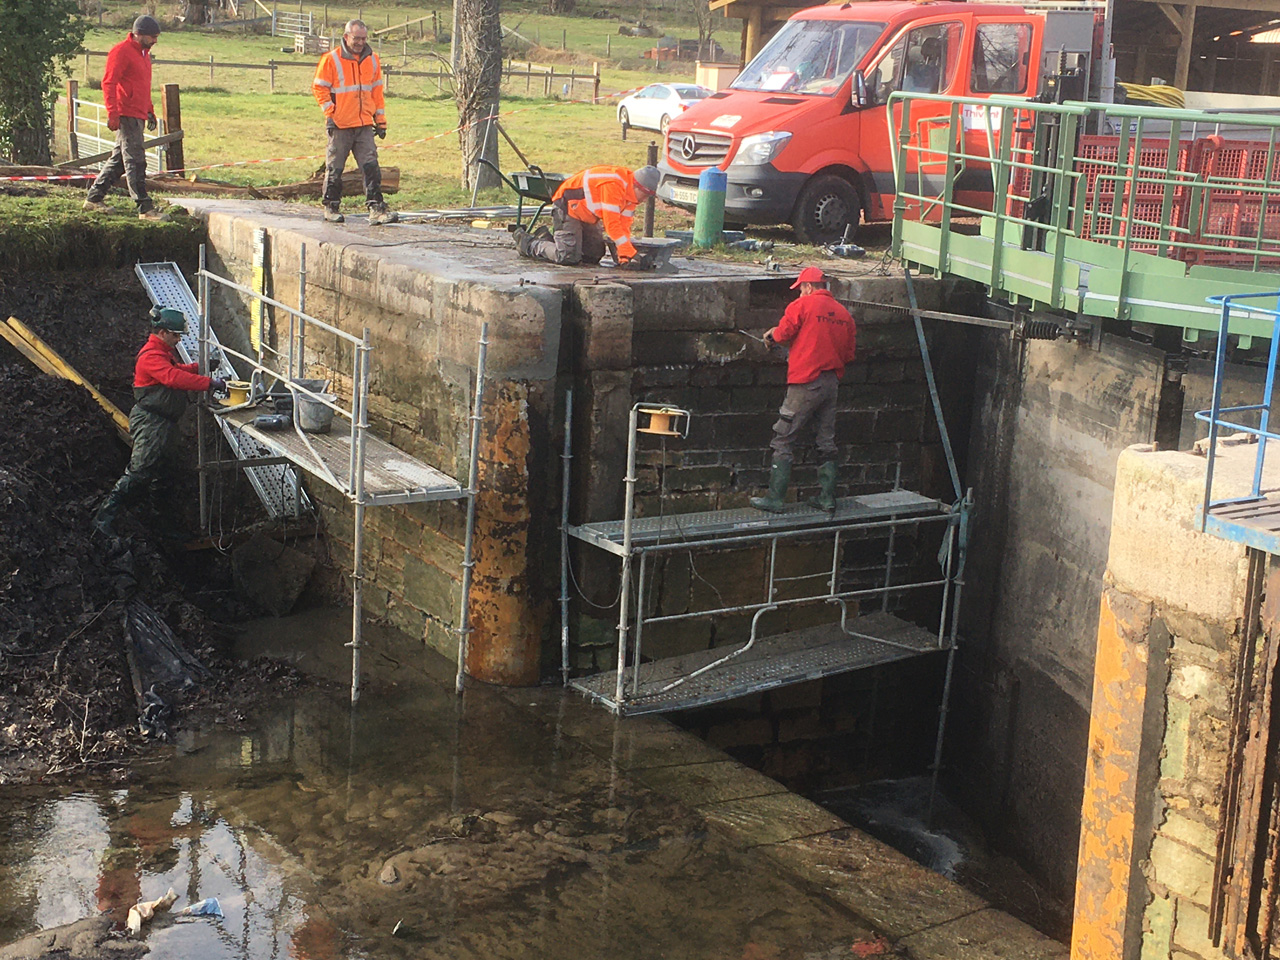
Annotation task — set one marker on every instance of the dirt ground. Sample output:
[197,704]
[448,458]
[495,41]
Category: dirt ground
[67,703]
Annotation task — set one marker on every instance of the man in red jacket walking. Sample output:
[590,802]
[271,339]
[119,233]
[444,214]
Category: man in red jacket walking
[822,337]
[160,388]
[126,91]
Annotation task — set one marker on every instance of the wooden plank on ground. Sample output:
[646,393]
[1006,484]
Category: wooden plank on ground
[50,362]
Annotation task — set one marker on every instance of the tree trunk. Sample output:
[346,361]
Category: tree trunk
[477,86]
[31,145]
[561,7]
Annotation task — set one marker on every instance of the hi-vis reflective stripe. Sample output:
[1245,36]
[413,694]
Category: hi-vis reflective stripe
[357,88]
[322,83]
[621,238]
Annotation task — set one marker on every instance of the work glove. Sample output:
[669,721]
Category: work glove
[151,122]
[113,122]
[218,385]
[380,132]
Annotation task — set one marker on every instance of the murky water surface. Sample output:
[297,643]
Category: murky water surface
[479,826]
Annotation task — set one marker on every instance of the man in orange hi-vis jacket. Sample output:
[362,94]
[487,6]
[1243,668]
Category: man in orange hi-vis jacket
[348,87]
[592,209]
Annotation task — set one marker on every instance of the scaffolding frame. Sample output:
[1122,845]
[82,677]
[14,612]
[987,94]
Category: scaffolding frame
[300,450]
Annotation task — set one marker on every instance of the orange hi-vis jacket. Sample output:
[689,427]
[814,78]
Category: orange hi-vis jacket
[349,90]
[605,194]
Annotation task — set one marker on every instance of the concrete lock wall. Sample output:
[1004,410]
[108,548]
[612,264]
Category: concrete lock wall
[1050,420]
[1167,643]
[424,331]
[647,339]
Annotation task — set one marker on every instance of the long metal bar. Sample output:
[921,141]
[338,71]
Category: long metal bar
[201,419]
[566,459]
[473,484]
[1215,408]
[1264,416]
[755,622]
[933,387]
[249,292]
[796,601]
[636,646]
[628,516]
[944,709]
[357,578]
[577,532]
[294,360]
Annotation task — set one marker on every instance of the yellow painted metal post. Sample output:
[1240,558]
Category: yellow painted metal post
[1105,871]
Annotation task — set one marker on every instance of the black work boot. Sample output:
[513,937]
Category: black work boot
[524,241]
[779,477]
[826,498]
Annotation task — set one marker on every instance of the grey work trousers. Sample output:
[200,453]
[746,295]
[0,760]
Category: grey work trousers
[127,157]
[357,141]
[573,241]
[816,401]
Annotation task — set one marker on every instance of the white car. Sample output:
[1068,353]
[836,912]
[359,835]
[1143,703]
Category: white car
[655,105]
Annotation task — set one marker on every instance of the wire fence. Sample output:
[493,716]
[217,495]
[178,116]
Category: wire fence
[405,78]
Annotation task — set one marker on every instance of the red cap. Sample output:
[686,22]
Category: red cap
[809,275]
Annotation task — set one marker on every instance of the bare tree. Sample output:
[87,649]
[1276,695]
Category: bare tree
[706,27]
[477,83]
[561,7]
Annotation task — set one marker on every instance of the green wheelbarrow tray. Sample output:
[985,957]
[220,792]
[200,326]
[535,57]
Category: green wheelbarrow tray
[531,184]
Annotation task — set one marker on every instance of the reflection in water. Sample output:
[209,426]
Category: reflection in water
[479,828]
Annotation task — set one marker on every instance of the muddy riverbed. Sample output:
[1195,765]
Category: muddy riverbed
[418,825]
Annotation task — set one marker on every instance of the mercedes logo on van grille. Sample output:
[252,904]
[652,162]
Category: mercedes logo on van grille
[689,147]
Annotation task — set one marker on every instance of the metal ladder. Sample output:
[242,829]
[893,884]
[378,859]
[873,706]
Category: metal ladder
[276,485]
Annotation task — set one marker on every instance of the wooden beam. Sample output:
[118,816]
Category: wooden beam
[171,111]
[1170,11]
[1182,71]
[167,139]
[1265,6]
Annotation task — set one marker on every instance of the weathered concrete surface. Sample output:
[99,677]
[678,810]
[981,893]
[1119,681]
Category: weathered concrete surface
[1168,641]
[1050,421]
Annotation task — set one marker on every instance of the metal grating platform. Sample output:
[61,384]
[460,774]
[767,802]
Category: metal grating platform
[773,662]
[390,474]
[746,521]
[1255,523]
[276,486]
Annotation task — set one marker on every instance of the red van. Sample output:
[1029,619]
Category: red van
[802,132]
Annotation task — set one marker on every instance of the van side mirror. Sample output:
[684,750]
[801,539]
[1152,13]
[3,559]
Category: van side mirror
[861,96]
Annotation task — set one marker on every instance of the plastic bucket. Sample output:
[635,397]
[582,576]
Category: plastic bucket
[312,416]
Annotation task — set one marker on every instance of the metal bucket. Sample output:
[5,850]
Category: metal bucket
[312,416]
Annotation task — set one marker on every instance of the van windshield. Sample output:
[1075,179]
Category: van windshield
[809,56]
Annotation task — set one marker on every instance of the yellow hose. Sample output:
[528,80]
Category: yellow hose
[1161,95]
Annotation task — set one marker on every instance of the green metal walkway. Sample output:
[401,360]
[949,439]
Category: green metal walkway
[1141,222]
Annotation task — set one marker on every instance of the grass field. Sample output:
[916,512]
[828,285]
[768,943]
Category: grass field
[236,117]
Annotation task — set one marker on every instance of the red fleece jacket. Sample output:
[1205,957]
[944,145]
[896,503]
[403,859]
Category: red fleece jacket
[158,364]
[825,336]
[126,80]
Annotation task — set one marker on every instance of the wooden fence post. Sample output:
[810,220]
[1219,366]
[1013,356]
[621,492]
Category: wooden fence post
[608,45]
[595,82]
[73,144]
[211,69]
[171,106]
[86,66]
[272,65]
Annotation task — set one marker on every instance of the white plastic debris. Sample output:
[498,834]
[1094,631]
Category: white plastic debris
[144,910]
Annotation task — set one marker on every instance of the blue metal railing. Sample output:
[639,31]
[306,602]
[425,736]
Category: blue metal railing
[1216,415]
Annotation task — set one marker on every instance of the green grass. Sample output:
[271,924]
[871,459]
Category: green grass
[234,116]
[50,231]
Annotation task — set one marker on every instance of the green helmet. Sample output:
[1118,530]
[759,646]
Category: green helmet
[167,318]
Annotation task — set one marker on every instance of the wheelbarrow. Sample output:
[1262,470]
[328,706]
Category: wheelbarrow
[531,184]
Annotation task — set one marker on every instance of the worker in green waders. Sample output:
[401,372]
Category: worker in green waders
[823,337]
[160,388]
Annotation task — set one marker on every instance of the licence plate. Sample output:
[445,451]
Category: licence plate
[684,194]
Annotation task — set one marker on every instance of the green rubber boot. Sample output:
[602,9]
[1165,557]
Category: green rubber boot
[104,520]
[779,477]
[826,498]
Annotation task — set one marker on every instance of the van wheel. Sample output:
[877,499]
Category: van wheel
[827,205]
